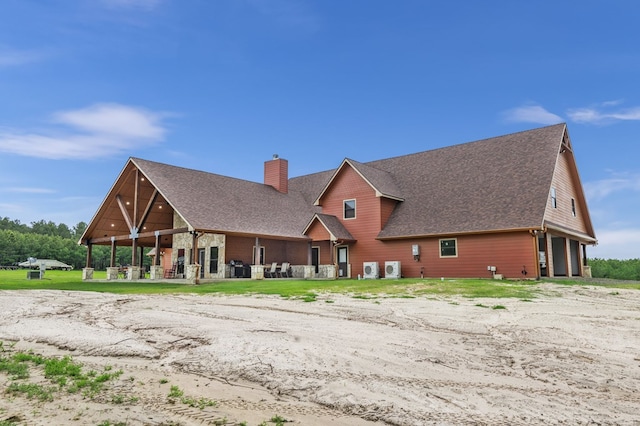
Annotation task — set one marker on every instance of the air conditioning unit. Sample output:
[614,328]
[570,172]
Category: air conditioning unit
[392,269]
[371,270]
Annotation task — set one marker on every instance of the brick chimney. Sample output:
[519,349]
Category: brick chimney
[276,173]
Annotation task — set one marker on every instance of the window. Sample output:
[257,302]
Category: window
[349,209]
[448,248]
[213,260]
[554,202]
[253,255]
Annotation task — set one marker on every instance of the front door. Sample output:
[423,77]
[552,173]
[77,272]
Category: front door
[343,262]
[201,261]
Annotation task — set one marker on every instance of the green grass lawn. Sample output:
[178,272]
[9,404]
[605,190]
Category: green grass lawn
[305,289]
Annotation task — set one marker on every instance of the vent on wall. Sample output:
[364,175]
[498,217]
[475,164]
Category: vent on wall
[392,269]
[371,270]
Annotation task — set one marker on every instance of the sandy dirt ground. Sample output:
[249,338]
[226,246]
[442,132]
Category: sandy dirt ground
[570,356]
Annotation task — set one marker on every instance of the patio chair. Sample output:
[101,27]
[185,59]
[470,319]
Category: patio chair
[272,272]
[285,270]
[170,273]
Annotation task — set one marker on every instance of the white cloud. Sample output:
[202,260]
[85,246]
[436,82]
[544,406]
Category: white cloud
[532,114]
[619,182]
[96,131]
[604,114]
[617,244]
[113,119]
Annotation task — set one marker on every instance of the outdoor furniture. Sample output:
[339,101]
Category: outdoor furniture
[285,270]
[170,273]
[272,272]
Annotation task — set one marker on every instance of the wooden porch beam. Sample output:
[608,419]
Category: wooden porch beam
[147,210]
[125,213]
[142,235]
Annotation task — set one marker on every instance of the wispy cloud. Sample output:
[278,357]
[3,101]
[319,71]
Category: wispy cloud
[27,190]
[532,114]
[96,131]
[132,4]
[288,13]
[603,115]
[617,244]
[13,58]
[618,182]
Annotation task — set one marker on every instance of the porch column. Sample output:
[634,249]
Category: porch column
[567,256]
[549,254]
[112,262]
[584,255]
[309,253]
[156,259]
[256,255]
[134,251]
[87,272]
[88,263]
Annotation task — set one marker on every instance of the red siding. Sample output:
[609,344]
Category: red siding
[317,232]
[510,253]
[241,248]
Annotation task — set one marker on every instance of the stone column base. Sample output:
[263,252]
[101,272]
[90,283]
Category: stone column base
[156,272]
[133,273]
[193,273]
[87,274]
[309,271]
[257,272]
[112,273]
[586,271]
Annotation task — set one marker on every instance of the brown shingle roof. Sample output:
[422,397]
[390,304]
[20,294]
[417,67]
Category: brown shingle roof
[219,203]
[334,226]
[499,183]
[493,184]
[380,180]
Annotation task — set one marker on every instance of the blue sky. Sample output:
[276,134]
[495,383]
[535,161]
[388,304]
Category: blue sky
[222,85]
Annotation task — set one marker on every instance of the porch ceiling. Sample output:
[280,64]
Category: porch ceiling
[110,221]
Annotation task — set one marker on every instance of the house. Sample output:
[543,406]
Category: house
[510,206]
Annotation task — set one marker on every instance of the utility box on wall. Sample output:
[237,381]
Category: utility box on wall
[415,250]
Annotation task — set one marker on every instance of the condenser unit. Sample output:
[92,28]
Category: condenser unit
[371,270]
[392,269]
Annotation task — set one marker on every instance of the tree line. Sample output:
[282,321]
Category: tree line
[48,240]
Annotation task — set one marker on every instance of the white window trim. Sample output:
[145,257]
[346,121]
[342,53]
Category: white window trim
[554,198]
[355,211]
[440,247]
[574,210]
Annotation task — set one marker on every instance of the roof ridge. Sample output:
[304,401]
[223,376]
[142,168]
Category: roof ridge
[465,143]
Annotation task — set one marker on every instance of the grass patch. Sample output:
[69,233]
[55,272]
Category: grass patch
[305,290]
[498,307]
[31,391]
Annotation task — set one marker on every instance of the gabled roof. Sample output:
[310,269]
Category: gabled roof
[381,181]
[333,225]
[494,184]
[212,202]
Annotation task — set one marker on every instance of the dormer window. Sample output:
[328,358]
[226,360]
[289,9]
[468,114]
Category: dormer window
[349,209]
